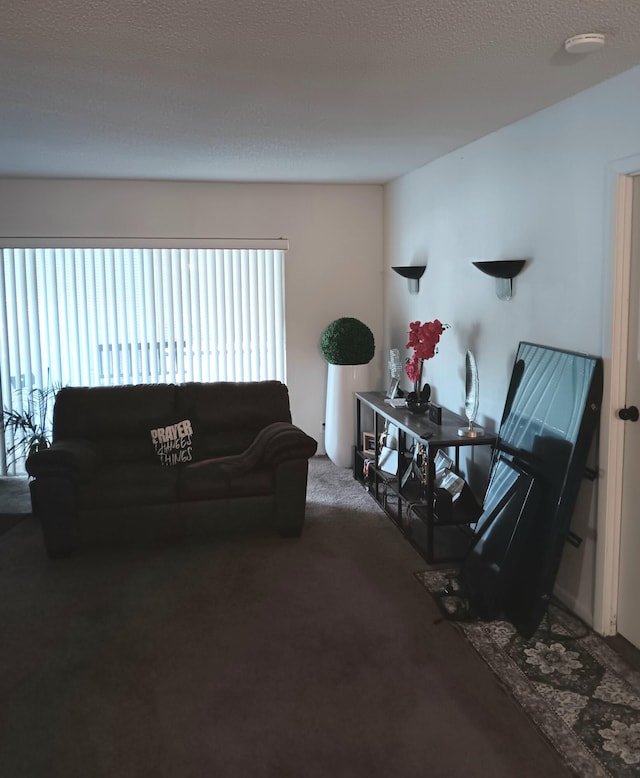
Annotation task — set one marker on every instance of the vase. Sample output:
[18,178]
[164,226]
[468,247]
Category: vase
[342,382]
[418,400]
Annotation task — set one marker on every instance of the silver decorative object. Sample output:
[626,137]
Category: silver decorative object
[471,399]
[395,371]
[395,363]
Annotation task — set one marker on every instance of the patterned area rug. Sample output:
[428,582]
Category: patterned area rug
[580,693]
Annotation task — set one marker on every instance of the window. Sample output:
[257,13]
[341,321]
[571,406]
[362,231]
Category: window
[121,315]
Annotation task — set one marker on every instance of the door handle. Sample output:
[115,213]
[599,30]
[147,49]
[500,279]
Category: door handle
[629,414]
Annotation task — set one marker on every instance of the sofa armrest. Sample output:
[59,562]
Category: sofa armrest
[281,442]
[71,458]
[276,443]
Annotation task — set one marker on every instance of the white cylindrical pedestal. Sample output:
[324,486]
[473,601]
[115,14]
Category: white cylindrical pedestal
[342,382]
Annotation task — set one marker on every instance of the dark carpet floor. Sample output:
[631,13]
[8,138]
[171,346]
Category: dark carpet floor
[249,656]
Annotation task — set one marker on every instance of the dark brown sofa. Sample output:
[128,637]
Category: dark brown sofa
[232,460]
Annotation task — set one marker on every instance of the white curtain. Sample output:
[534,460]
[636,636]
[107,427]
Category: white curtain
[108,316]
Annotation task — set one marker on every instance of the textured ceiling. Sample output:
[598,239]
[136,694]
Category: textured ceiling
[287,90]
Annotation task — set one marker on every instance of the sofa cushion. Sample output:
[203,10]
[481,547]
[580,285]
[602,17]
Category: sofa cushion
[230,415]
[210,479]
[116,418]
[119,484]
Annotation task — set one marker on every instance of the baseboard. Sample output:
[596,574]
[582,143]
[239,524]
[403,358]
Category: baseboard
[567,599]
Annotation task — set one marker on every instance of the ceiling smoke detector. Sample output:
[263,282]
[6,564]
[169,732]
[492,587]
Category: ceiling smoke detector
[583,44]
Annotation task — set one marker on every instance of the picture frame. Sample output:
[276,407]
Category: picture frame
[369,443]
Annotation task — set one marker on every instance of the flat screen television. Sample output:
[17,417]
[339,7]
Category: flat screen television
[550,417]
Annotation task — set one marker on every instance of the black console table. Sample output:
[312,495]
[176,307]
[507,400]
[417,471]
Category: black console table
[435,524]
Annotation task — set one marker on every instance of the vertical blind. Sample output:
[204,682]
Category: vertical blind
[108,316]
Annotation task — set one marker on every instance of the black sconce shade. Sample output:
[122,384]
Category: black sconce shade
[414,273]
[410,271]
[501,268]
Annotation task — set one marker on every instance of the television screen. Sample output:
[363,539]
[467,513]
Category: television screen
[546,401]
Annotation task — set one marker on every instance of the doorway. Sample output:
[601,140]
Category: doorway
[611,592]
[628,619]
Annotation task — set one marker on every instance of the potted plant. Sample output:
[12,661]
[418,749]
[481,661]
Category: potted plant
[28,427]
[423,339]
[348,346]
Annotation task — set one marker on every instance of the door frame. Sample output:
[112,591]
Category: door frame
[619,206]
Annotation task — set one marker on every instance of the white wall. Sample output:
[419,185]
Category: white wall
[333,268]
[537,189]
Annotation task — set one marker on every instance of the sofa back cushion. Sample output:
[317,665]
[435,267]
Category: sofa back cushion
[229,415]
[117,418]
[225,416]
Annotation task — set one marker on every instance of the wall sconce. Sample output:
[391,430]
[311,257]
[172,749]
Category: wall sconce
[504,271]
[414,273]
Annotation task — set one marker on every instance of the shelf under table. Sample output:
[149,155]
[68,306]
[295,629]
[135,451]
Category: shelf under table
[436,526]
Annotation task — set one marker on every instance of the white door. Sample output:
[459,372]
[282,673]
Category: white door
[629,579]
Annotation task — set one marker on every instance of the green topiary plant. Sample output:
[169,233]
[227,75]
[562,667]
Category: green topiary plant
[347,341]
